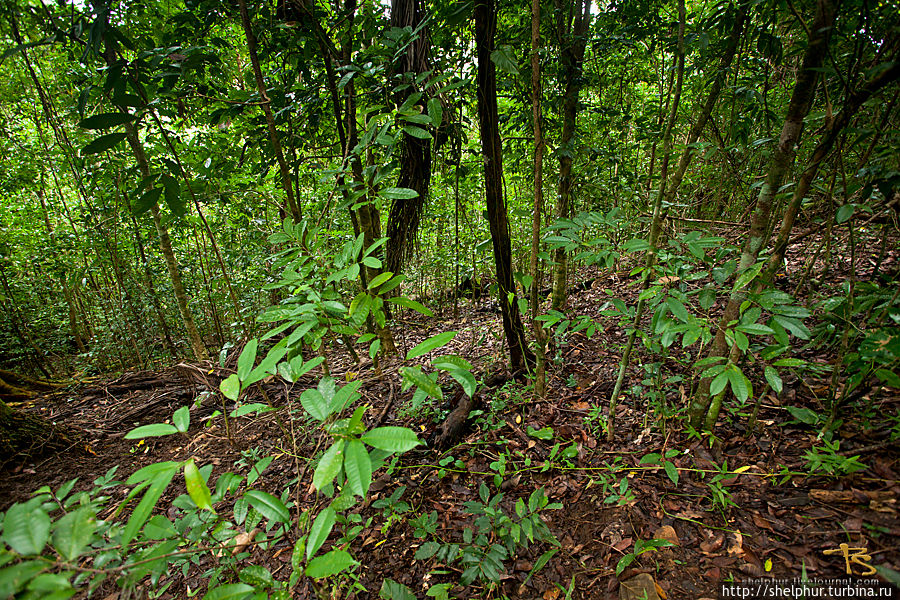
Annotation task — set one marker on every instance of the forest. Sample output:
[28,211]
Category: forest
[346,299]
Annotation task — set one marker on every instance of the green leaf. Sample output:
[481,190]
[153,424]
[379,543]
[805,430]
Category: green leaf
[435,111]
[26,530]
[427,550]
[755,329]
[73,532]
[417,132]
[678,309]
[257,576]
[157,486]
[231,387]
[246,359]
[315,404]
[397,193]
[246,409]
[435,341]
[196,486]
[154,430]
[147,201]
[671,471]
[465,379]
[412,304]
[106,120]
[319,531]
[804,415]
[329,564]
[392,439]
[844,213]
[505,59]
[391,590]
[182,419]
[268,506]
[329,465]
[718,384]
[102,143]
[426,383]
[358,467]
[774,379]
[379,279]
[230,591]
[15,577]
[797,329]
[740,385]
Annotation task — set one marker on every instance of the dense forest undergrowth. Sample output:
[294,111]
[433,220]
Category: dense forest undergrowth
[285,311]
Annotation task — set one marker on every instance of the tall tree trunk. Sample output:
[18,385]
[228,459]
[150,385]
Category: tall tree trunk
[700,411]
[540,375]
[851,106]
[274,138]
[488,118]
[415,154]
[659,215]
[572,41]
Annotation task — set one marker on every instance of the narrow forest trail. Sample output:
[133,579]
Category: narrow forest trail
[740,508]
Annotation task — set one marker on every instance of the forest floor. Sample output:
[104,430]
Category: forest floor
[743,507]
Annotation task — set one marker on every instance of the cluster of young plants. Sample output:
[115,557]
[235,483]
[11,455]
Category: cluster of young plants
[59,544]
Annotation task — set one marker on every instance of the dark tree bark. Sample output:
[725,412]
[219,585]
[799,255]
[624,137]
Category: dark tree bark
[415,153]
[488,118]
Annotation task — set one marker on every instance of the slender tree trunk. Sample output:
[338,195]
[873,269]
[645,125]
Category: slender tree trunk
[485,27]
[540,342]
[700,410]
[572,41]
[659,215]
[274,138]
[823,149]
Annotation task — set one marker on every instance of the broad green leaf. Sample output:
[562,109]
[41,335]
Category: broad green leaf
[246,359]
[774,379]
[319,531]
[379,279]
[449,361]
[358,467]
[26,530]
[392,439]
[465,379]
[253,407]
[422,381]
[793,325]
[315,404]
[740,385]
[102,143]
[14,578]
[182,419]
[258,576]
[196,486]
[671,471]
[412,304]
[230,591]
[755,329]
[844,213]
[427,550]
[417,132]
[391,590]
[329,465]
[231,387]
[397,193]
[329,564]
[435,111]
[804,415]
[73,532]
[435,341]
[268,506]
[154,430]
[718,384]
[106,120]
[147,201]
[678,309]
[505,59]
[157,486]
